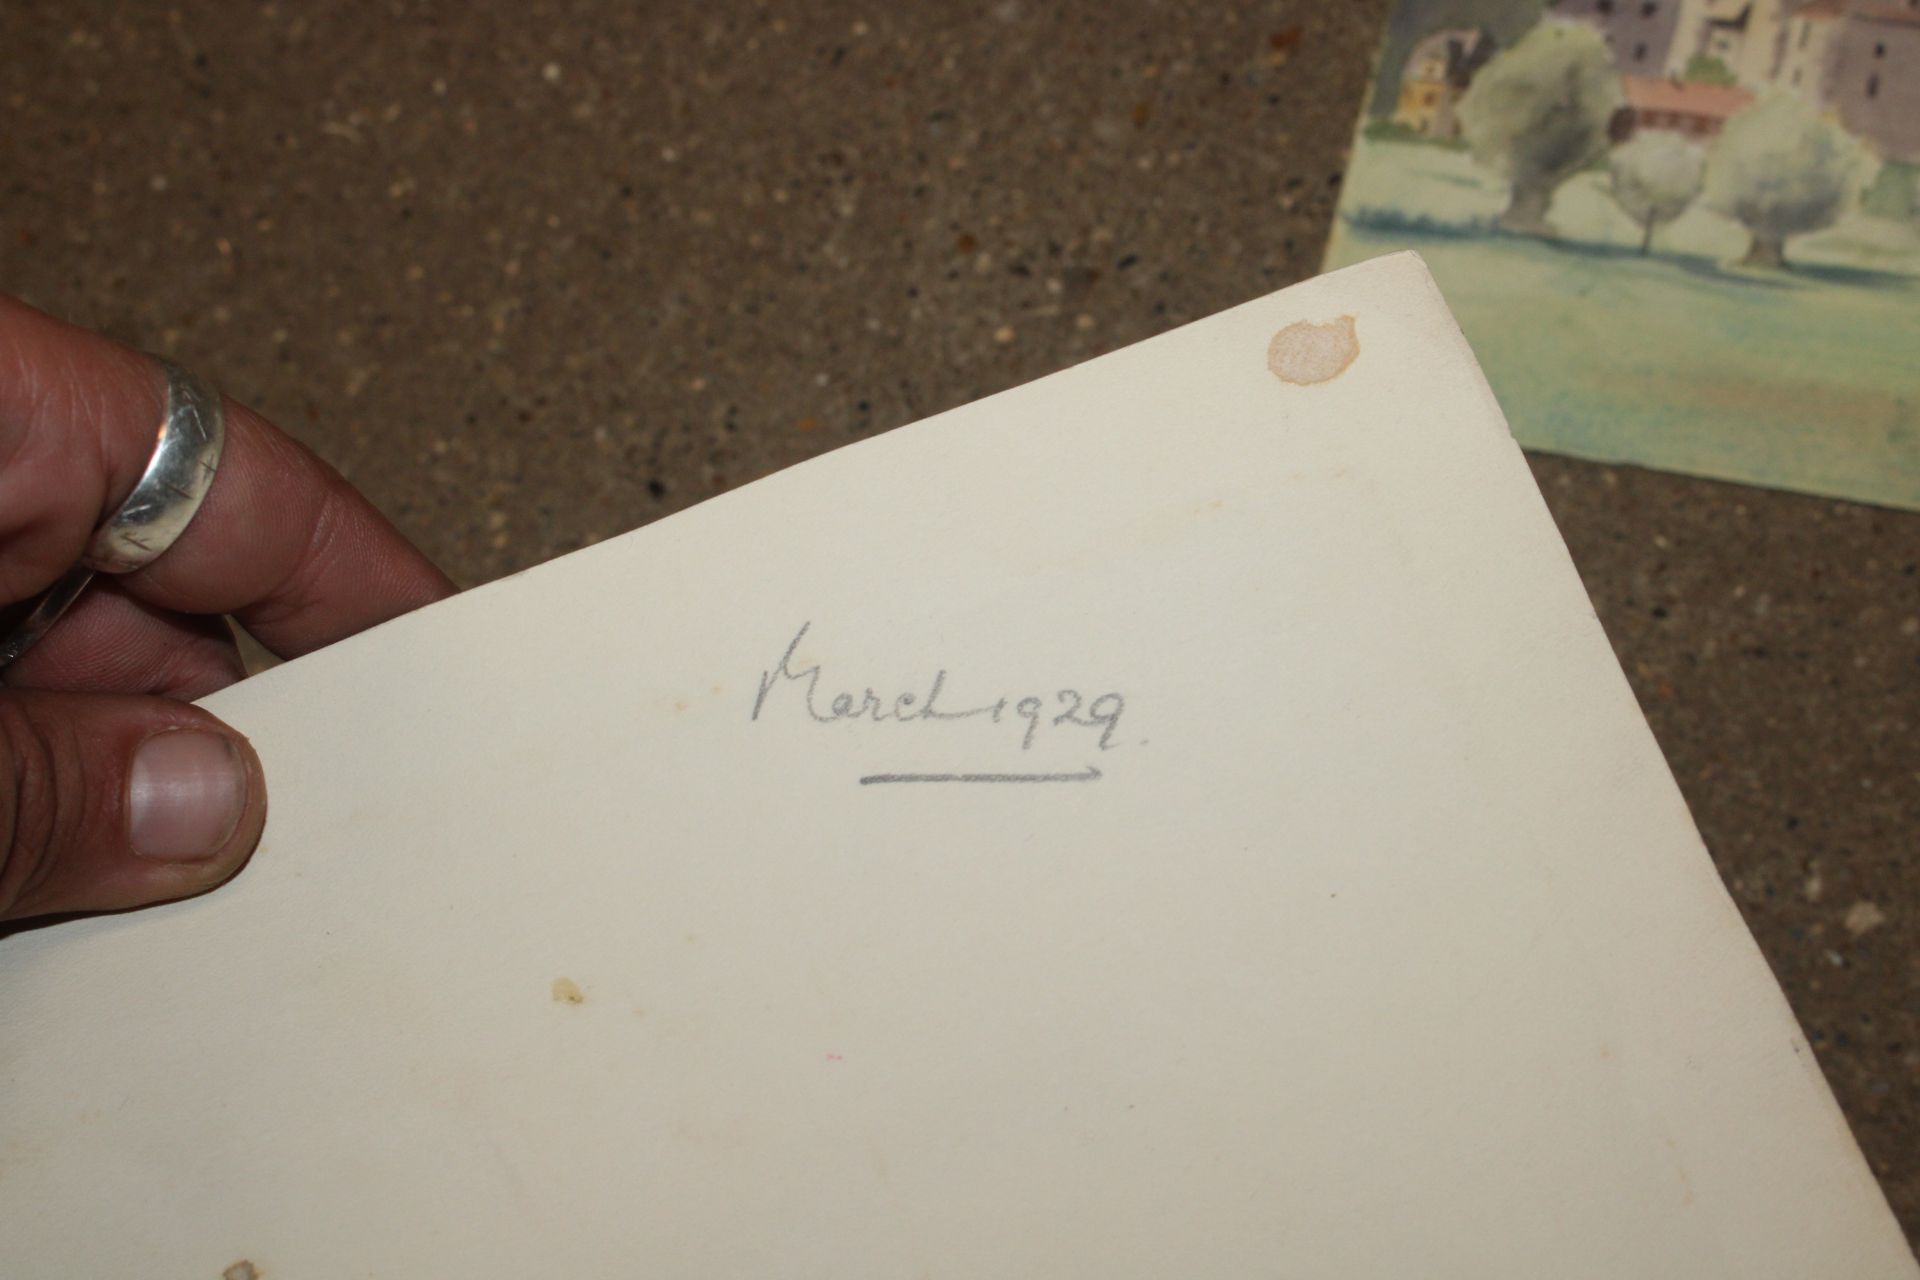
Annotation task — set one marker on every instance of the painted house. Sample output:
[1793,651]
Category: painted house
[1744,36]
[1640,33]
[1809,47]
[1437,73]
[1857,59]
[1860,59]
[1875,79]
[1690,108]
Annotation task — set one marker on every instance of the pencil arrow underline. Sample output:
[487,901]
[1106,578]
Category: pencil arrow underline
[1089,774]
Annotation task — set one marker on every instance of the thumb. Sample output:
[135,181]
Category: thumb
[109,802]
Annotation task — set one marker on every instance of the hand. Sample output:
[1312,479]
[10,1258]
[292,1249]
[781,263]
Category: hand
[114,791]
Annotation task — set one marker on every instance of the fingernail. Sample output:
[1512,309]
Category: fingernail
[185,794]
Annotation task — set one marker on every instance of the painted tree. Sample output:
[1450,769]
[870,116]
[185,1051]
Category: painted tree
[1894,192]
[1538,113]
[1705,69]
[1655,177]
[1780,170]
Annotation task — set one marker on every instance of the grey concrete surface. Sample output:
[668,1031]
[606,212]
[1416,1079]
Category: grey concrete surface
[536,273]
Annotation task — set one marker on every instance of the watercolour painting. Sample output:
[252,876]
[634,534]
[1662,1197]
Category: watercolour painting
[1679,233]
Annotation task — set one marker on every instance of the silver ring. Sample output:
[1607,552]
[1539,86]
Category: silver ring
[186,455]
[176,480]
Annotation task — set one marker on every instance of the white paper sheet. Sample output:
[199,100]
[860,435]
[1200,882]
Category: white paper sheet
[1349,923]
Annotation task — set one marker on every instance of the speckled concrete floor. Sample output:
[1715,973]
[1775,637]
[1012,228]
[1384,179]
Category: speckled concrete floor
[535,273]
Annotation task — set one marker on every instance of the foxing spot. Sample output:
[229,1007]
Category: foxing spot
[1304,353]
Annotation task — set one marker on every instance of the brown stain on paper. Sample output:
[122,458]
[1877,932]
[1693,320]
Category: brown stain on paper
[1680,1167]
[567,991]
[242,1270]
[1305,353]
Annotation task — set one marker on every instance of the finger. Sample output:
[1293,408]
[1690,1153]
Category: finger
[112,802]
[109,642]
[282,541]
[289,548]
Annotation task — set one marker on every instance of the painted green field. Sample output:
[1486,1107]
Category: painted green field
[1808,379]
